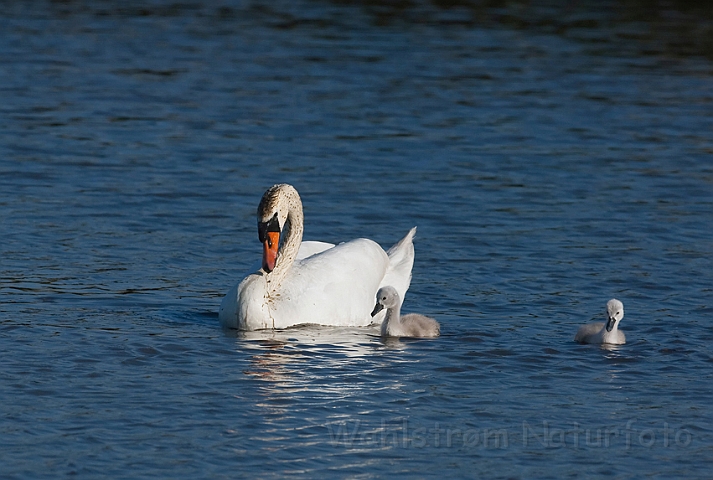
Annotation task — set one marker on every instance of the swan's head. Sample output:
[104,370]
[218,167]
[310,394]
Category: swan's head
[615,312]
[386,297]
[272,215]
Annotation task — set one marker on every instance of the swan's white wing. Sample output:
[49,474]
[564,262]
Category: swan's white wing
[401,257]
[307,249]
[335,287]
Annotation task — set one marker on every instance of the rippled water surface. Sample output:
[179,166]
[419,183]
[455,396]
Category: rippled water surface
[551,158]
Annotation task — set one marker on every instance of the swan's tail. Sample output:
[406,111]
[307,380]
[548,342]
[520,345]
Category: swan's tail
[401,256]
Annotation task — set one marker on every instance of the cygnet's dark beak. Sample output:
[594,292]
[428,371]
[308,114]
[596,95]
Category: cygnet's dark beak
[377,308]
[610,324]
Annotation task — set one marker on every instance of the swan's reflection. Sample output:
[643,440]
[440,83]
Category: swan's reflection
[613,349]
[619,360]
[312,364]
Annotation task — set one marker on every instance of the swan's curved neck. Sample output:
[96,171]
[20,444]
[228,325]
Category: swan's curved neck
[392,319]
[291,240]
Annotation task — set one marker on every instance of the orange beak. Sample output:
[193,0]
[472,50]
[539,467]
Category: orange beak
[269,251]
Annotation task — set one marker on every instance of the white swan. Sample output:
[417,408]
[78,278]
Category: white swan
[394,325]
[600,332]
[314,282]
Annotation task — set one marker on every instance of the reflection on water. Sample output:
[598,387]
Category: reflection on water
[277,355]
[318,377]
[611,348]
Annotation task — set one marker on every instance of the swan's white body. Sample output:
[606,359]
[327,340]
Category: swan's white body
[600,332]
[410,325]
[313,282]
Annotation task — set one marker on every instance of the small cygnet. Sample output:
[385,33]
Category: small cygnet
[394,325]
[600,332]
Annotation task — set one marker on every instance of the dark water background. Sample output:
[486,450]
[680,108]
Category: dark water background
[553,156]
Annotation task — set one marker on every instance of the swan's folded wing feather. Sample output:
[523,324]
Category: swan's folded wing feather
[307,249]
[586,332]
[401,257]
[334,287]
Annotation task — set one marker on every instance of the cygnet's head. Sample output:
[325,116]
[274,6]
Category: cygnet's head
[615,312]
[386,297]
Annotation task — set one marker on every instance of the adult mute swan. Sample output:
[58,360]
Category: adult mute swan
[394,325]
[319,283]
[604,333]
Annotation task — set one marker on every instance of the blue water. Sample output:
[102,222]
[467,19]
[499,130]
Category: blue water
[552,158]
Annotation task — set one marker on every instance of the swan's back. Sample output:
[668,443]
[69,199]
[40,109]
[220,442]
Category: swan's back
[417,325]
[590,333]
